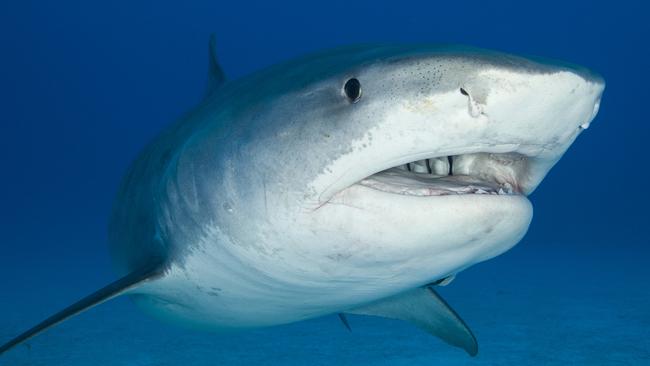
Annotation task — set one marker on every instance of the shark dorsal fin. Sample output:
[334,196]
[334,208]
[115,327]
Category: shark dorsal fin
[424,308]
[216,76]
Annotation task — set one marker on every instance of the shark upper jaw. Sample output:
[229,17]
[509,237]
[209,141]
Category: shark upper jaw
[513,161]
[503,142]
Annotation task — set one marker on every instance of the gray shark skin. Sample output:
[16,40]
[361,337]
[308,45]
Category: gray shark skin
[347,181]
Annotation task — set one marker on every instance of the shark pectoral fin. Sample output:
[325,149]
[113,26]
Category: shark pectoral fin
[216,76]
[424,308]
[104,294]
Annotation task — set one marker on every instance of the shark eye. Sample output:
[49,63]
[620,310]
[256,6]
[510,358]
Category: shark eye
[352,89]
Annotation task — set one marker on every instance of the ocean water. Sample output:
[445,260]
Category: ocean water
[83,86]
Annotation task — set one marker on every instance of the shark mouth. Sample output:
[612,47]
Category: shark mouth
[477,173]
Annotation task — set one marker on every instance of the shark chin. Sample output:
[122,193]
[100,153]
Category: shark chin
[350,181]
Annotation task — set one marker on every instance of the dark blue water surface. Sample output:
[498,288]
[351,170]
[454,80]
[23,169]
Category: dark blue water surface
[84,85]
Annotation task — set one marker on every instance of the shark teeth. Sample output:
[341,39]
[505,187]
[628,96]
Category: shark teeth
[420,166]
[434,166]
[440,166]
[489,174]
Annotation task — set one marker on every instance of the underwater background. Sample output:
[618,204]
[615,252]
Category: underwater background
[85,84]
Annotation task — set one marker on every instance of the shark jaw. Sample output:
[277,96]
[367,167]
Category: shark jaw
[507,173]
[498,174]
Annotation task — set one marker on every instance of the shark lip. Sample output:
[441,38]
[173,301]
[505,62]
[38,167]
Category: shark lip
[479,173]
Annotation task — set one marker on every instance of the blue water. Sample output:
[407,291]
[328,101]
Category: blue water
[83,86]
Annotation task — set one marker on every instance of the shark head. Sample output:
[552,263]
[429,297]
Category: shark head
[381,168]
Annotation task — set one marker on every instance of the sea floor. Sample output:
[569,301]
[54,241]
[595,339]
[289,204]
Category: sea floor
[544,307]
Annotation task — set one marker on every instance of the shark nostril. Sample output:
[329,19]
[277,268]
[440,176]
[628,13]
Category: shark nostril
[464,92]
[596,109]
[594,112]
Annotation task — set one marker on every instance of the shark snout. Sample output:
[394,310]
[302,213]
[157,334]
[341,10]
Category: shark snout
[589,89]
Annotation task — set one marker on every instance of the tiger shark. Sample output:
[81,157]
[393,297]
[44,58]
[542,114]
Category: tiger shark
[350,181]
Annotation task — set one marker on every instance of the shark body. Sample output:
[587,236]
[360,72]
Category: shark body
[347,181]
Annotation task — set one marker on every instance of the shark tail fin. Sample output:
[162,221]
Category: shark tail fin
[106,293]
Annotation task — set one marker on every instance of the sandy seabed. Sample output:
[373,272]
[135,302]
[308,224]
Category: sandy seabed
[547,308]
